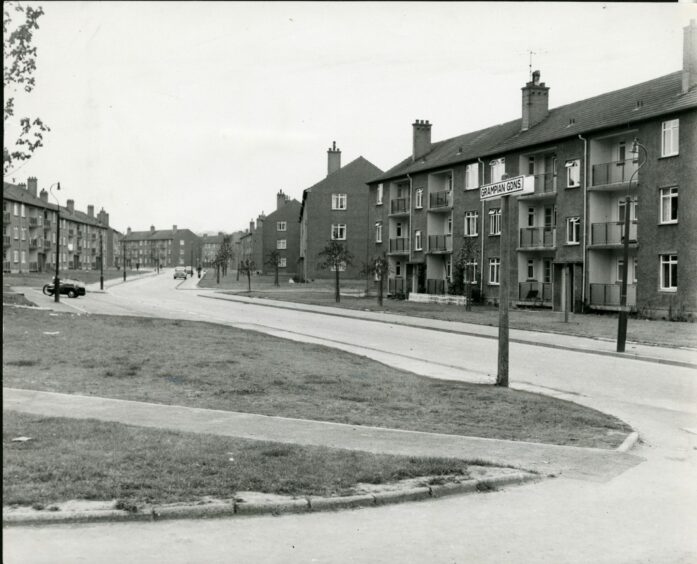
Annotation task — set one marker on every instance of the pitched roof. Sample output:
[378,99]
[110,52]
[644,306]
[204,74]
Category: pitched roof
[156,235]
[357,172]
[650,99]
[294,203]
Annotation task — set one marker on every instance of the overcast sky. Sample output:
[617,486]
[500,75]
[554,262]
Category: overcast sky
[196,113]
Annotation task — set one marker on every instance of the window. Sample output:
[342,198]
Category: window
[547,271]
[398,229]
[621,152]
[573,174]
[669,272]
[16,234]
[339,232]
[622,208]
[397,268]
[379,196]
[281,244]
[15,256]
[417,240]
[531,269]
[23,213]
[495,221]
[494,269]
[632,270]
[24,257]
[669,205]
[472,176]
[498,169]
[449,270]
[471,218]
[181,242]
[24,234]
[16,211]
[281,226]
[450,226]
[378,231]
[419,200]
[470,272]
[669,137]
[573,230]
[338,201]
[531,217]
[282,262]
[531,165]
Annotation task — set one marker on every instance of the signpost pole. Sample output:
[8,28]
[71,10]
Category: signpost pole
[504,275]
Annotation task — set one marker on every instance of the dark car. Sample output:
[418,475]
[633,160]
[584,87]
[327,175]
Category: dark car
[180,272]
[72,288]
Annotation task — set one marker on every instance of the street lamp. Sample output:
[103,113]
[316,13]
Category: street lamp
[622,322]
[56,280]
[123,240]
[101,261]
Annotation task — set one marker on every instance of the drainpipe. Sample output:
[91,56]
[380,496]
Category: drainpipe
[481,260]
[411,188]
[585,215]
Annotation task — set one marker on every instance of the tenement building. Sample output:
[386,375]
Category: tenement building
[336,209]
[282,234]
[592,162]
[30,232]
[161,248]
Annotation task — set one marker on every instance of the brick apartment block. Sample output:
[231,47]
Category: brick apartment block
[568,233]
[282,233]
[163,247]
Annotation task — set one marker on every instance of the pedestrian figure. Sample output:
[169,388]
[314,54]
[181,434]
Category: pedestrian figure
[198,270]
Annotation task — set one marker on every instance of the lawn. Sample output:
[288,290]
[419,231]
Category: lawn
[204,365]
[38,279]
[84,459]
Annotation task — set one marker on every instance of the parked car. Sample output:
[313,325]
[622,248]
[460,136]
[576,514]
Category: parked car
[72,288]
[180,272]
[190,270]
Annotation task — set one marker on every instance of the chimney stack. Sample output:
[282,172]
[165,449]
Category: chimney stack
[535,102]
[689,57]
[43,195]
[90,210]
[128,231]
[333,159]
[70,204]
[251,226]
[281,199]
[152,229]
[103,218]
[174,228]
[32,185]
[421,130]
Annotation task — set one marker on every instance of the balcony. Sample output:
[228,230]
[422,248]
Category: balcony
[610,234]
[71,233]
[399,206]
[47,224]
[434,286]
[33,267]
[400,245]
[440,201]
[6,241]
[440,244]
[35,243]
[538,238]
[6,217]
[47,244]
[545,186]
[535,291]
[35,222]
[608,295]
[396,286]
[616,172]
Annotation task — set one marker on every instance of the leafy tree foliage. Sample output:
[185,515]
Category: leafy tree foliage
[379,267]
[464,270]
[224,255]
[247,267]
[273,259]
[22,136]
[337,257]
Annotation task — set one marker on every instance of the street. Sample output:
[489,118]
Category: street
[647,514]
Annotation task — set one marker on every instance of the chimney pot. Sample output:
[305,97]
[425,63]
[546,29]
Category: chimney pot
[333,159]
[32,185]
[152,229]
[535,106]
[43,195]
[90,210]
[70,204]
[421,139]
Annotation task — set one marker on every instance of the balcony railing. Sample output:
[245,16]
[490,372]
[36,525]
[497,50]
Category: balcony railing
[34,243]
[399,245]
[545,183]
[396,286]
[399,205]
[440,243]
[440,200]
[47,244]
[71,233]
[6,241]
[35,221]
[535,291]
[434,286]
[538,237]
[47,224]
[609,294]
[612,233]
[613,172]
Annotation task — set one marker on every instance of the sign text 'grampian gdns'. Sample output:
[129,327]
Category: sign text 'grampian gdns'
[515,185]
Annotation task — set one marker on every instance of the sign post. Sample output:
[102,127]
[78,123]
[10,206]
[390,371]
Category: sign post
[503,190]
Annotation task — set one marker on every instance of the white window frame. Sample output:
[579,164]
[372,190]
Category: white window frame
[417,240]
[471,221]
[281,226]
[498,169]
[531,217]
[495,271]
[472,176]
[473,265]
[573,230]
[15,256]
[495,221]
[16,233]
[338,232]
[573,173]
[419,198]
[24,212]
[666,262]
[666,197]
[16,210]
[282,262]
[621,204]
[378,231]
[339,202]
[281,243]
[378,201]
[342,267]
[531,269]
[670,138]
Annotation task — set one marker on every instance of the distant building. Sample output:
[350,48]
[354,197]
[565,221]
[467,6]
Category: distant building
[210,244]
[337,208]
[163,247]
[282,233]
[29,232]
[252,243]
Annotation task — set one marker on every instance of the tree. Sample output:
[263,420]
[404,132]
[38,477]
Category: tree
[380,268]
[246,267]
[273,259]
[464,270]
[337,257]
[19,63]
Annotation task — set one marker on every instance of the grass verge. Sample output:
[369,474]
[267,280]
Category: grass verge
[210,366]
[85,459]
[38,279]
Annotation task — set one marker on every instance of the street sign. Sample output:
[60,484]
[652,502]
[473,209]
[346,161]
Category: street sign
[511,186]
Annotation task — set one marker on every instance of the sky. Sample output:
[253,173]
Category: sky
[196,114]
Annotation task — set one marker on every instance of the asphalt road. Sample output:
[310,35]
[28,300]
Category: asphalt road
[646,514]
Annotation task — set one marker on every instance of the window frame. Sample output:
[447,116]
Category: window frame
[419,199]
[337,230]
[471,216]
[494,222]
[494,271]
[662,199]
[378,231]
[576,232]
[497,168]
[379,195]
[418,243]
[573,180]
[281,244]
[471,169]
[339,201]
[670,130]
[281,226]
[667,260]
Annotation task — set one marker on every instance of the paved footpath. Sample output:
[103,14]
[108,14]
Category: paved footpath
[589,464]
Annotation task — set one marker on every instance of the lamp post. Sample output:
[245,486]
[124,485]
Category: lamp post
[56,280]
[124,258]
[101,261]
[622,322]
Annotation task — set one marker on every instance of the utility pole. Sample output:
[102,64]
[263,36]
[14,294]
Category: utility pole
[504,275]
[101,261]
[56,280]
[123,241]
